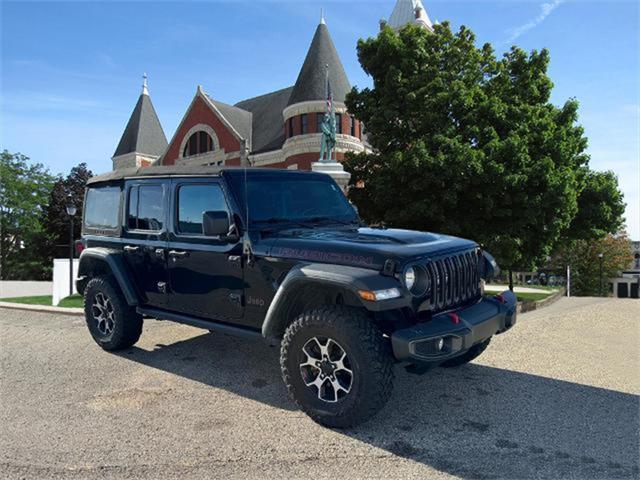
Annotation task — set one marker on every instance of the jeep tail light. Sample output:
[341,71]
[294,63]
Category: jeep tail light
[79,247]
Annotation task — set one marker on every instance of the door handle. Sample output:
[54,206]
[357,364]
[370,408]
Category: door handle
[178,253]
[131,248]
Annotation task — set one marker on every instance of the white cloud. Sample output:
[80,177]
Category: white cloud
[546,9]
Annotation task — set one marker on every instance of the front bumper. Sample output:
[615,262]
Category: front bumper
[442,338]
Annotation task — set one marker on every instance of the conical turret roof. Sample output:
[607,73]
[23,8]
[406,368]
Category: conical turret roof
[311,82]
[143,133]
[405,12]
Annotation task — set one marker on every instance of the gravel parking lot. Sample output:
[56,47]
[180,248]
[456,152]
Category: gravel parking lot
[556,397]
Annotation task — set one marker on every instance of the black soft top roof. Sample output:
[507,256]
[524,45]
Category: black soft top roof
[184,170]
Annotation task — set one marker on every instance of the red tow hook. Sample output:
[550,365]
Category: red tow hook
[455,319]
[500,298]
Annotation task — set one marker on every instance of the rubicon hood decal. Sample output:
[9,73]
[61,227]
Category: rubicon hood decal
[325,256]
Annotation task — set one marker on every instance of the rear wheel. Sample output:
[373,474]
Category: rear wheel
[337,365]
[113,324]
[471,354]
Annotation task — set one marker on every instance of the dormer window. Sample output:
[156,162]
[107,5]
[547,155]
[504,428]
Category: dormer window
[198,143]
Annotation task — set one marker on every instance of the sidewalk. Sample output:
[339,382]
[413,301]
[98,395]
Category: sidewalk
[17,288]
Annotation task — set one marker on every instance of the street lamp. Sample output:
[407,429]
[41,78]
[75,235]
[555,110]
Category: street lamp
[600,256]
[71,211]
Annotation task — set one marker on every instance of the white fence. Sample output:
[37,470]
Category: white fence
[61,278]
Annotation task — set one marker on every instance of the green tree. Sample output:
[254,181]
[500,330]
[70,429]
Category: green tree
[600,207]
[465,143]
[24,189]
[584,258]
[54,214]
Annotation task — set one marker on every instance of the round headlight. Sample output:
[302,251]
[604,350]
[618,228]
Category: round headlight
[409,277]
[416,279]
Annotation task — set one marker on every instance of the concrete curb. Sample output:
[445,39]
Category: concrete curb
[526,306]
[78,312]
[529,306]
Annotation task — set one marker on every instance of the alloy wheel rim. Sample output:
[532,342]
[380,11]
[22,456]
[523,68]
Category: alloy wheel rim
[326,369]
[103,313]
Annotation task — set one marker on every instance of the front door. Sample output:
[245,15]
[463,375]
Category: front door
[145,237]
[205,273]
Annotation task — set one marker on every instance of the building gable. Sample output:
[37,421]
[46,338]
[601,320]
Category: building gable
[202,115]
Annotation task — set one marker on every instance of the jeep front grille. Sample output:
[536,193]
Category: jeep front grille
[454,280]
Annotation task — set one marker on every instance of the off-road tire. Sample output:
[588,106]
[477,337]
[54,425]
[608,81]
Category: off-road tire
[127,323]
[471,354]
[370,359]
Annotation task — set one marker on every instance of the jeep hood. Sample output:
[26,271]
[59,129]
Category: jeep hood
[362,247]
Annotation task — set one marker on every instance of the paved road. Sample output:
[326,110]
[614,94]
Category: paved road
[557,397]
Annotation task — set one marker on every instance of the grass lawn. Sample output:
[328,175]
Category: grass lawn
[74,301]
[533,296]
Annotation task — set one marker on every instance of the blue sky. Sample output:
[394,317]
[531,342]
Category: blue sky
[71,71]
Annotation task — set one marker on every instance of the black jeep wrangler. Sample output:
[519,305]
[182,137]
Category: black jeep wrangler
[282,254]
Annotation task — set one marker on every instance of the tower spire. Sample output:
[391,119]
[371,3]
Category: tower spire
[145,88]
[322,22]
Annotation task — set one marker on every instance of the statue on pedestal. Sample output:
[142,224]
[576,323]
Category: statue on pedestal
[328,141]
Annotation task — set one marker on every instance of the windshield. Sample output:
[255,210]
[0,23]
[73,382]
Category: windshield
[293,198]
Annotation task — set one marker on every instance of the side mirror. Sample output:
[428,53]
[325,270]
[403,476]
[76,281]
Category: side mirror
[215,223]
[489,267]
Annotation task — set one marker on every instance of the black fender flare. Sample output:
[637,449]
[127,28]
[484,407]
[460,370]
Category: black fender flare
[347,278]
[116,263]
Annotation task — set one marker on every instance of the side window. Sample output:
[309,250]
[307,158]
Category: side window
[101,207]
[193,201]
[145,210]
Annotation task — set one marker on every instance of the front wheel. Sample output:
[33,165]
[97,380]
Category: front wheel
[337,365]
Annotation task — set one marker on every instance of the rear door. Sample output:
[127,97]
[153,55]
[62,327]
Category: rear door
[145,237]
[205,273]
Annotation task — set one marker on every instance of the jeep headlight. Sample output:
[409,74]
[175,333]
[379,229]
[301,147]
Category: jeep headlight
[416,280]
[409,277]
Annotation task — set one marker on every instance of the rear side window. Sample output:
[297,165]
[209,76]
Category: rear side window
[101,208]
[145,210]
[193,201]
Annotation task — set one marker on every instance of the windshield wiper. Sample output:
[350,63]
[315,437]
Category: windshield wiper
[282,221]
[331,220]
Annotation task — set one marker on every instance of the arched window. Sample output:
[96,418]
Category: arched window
[199,142]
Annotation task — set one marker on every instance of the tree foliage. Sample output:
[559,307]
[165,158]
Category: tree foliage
[24,189]
[34,222]
[600,207]
[54,214]
[468,144]
[583,256]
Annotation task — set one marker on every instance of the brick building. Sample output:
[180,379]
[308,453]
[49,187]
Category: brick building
[278,129]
